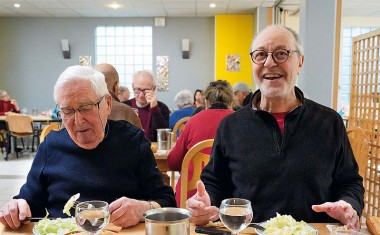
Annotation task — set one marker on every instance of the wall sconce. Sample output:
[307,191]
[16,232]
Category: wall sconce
[185,48]
[65,48]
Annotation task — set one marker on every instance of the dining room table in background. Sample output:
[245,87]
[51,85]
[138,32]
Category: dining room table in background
[139,229]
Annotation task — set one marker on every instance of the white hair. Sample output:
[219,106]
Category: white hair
[183,97]
[81,73]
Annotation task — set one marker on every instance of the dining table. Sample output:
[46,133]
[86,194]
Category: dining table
[139,229]
[161,157]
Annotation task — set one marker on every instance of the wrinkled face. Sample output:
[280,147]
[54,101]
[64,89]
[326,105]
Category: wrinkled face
[276,80]
[141,84]
[239,98]
[85,127]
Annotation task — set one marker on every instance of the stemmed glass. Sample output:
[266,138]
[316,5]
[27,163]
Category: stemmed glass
[235,214]
[92,216]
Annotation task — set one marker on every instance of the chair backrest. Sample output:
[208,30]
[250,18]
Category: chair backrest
[47,129]
[199,160]
[178,127]
[360,147]
[19,124]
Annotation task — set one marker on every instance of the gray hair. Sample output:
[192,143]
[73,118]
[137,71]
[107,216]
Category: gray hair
[183,97]
[81,73]
[146,74]
[299,47]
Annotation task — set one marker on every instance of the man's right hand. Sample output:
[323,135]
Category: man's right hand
[200,206]
[12,213]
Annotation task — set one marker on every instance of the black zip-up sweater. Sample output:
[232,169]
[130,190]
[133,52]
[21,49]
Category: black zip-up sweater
[311,163]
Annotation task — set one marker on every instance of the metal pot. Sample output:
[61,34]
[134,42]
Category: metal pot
[167,221]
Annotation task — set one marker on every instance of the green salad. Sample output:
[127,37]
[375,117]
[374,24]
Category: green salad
[287,225]
[55,226]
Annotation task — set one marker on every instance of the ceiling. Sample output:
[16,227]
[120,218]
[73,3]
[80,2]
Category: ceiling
[164,8]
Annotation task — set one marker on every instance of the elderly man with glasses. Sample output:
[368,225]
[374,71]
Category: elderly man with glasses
[153,114]
[283,152]
[100,159]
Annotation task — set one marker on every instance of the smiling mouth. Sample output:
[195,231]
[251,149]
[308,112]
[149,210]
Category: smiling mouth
[271,76]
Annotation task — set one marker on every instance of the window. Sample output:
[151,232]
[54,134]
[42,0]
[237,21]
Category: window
[128,48]
[346,53]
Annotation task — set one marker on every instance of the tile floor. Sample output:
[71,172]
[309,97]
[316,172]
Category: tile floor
[13,174]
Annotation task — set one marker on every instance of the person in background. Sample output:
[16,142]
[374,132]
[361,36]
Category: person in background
[7,105]
[218,103]
[153,114]
[283,152]
[198,98]
[123,93]
[100,159]
[242,94]
[119,110]
[183,100]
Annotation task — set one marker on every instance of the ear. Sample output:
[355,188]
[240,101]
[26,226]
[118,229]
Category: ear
[300,64]
[109,104]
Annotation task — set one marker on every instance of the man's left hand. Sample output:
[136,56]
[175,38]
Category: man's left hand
[127,212]
[341,211]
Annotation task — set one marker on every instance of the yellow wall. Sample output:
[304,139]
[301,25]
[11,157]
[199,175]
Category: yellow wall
[233,36]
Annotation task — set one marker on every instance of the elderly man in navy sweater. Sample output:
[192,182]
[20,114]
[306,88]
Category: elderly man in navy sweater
[100,159]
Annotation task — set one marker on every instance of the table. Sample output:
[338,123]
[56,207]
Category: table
[38,118]
[139,229]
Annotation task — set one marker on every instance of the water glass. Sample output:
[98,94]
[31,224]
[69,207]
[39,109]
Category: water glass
[92,216]
[235,214]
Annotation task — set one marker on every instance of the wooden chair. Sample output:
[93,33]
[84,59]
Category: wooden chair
[47,129]
[199,160]
[20,126]
[178,127]
[359,144]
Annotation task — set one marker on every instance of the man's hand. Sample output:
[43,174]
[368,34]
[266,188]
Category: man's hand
[341,211]
[127,212]
[12,213]
[200,206]
[151,98]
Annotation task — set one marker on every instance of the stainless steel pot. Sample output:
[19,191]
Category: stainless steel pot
[167,221]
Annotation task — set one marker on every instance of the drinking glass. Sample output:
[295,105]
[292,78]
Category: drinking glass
[235,214]
[92,216]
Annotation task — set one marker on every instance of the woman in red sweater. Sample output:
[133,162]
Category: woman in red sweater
[218,101]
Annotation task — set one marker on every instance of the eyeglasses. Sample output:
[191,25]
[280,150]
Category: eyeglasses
[279,56]
[84,110]
[138,91]
[219,82]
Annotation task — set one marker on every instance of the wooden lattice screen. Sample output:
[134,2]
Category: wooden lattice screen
[364,110]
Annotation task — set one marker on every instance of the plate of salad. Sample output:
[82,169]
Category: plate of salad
[286,224]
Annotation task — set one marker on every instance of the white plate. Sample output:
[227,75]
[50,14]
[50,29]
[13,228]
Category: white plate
[263,225]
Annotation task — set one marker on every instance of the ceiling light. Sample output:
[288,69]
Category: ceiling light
[212,5]
[17,5]
[115,5]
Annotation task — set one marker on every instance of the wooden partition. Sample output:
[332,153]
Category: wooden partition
[364,110]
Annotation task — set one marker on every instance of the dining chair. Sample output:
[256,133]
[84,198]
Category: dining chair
[199,160]
[47,129]
[360,147]
[20,126]
[178,127]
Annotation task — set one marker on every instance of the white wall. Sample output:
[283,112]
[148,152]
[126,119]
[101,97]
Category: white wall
[31,58]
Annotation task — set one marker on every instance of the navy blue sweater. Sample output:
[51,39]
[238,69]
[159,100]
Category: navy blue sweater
[121,165]
[311,163]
